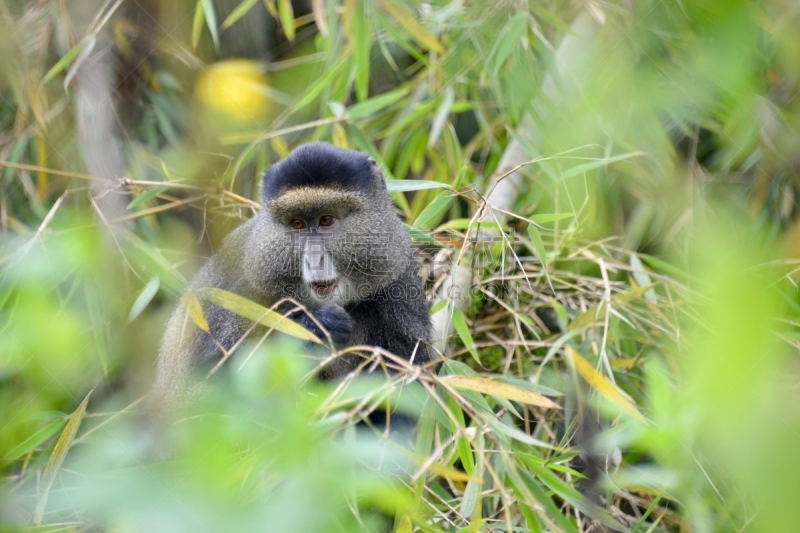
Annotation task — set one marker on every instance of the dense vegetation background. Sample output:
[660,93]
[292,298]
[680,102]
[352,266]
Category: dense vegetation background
[604,195]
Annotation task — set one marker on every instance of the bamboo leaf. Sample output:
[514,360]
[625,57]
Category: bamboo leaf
[361,48]
[463,223]
[470,498]
[73,70]
[405,525]
[413,185]
[373,105]
[599,383]
[586,167]
[550,217]
[323,83]
[145,196]
[538,245]
[411,25]
[195,310]
[570,494]
[211,20]
[286,14]
[642,278]
[238,13]
[197,23]
[35,440]
[256,313]
[62,63]
[503,390]
[155,263]
[450,473]
[509,38]
[144,298]
[434,211]
[57,457]
[460,323]
[441,116]
[544,499]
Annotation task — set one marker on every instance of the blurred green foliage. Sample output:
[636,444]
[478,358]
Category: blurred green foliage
[646,264]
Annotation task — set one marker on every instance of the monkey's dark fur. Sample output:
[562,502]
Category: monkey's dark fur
[377,298]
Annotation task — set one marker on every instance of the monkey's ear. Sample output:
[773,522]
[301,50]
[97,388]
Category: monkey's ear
[372,161]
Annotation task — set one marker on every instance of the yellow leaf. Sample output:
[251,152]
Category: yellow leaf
[195,310]
[257,313]
[587,318]
[411,25]
[599,383]
[57,457]
[404,525]
[503,390]
[450,473]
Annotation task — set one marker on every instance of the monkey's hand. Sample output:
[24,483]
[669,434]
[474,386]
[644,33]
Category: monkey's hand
[336,321]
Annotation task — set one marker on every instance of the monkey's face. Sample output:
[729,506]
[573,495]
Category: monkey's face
[339,251]
[333,226]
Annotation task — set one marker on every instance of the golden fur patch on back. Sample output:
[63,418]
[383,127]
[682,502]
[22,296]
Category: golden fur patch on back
[313,199]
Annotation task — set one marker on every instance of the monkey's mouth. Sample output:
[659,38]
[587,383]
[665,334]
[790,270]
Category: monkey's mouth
[324,288]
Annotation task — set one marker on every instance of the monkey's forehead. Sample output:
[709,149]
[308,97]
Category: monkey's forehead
[307,201]
[319,164]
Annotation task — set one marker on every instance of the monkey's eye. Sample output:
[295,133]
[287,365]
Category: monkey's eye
[297,224]
[327,220]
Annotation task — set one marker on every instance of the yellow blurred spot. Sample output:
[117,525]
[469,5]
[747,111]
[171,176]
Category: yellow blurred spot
[236,87]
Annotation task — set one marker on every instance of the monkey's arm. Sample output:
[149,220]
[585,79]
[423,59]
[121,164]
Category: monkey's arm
[395,318]
[336,321]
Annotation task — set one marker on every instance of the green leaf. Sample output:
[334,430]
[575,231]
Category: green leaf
[373,105]
[57,457]
[145,196]
[642,277]
[538,245]
[62,63]
[544,499]
[323,83]
[211,20]
[550,217]
[434,211]
[470,498]
[197,23]
[586,167]
[660,264]
[35,440]
[462,442]
[460,323]
[73,70]
[463,223]
[411,25]
[570,494]
[509,38]
[421,237]
[286,14]
[152,261]
[413,185]
[438,306]
[441,116]
[238,13]
[361,51]
[256,313]
[144,298]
